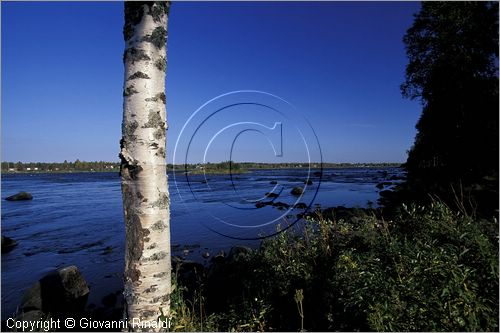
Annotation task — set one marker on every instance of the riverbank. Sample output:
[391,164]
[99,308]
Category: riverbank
[428,269]
[347,269]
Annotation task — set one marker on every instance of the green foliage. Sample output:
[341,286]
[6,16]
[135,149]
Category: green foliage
[429,269]
[226,167]
[66,166]
[452,49]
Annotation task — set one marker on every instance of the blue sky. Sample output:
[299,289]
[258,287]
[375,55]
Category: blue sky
[339,63]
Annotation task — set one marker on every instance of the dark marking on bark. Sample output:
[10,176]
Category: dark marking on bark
[133,227]
[162,97]
[161,152]
[129,129]
[161,64]
[158,37]
[159,133]
[160,275]
[138,75]
[162,202]
[123,161]
[158,9]
[134,170]
[163,299]
[151,289]
[134,275]
[153,145]
[154,120]
[128,91]
[157,256]
[132,54]
[134,230]
[152,246]
[134,11]
[159,96]
[139,195]
[145,235]
[149,313]
[128,169]
[159,226]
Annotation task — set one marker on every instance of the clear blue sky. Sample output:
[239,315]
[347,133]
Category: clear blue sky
[339,63]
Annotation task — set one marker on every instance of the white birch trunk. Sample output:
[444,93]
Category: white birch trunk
[143,165]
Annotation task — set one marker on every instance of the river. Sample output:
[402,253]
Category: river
[77,218]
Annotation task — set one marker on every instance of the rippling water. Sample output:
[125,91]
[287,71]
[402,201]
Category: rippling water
[77,218]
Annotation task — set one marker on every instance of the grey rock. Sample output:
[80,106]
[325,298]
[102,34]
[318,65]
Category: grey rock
[20,196]
[60,292]
[8,244]
[300,205]
[238,252]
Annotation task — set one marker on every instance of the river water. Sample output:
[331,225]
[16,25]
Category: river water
[77,218]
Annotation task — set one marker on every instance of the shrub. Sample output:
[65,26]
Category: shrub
[429,269]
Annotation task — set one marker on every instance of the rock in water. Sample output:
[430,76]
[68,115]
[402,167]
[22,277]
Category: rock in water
[237,252]
[60,293]
[20,196]
[297,190]
[300,205]
[8,244]
[280,204]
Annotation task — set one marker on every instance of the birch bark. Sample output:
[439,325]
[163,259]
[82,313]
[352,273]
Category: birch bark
[143,164]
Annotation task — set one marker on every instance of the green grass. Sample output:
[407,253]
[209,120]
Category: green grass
[428,269]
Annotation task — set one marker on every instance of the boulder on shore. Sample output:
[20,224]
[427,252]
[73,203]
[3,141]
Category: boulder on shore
[238,252]
[20,196]
[8,244]
[59,293]
[297,190]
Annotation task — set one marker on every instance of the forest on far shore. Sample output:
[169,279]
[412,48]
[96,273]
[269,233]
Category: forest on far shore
[102,166]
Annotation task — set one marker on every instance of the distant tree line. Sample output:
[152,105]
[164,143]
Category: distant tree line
[77,165]
[255,165]
[102,166]
[316,165]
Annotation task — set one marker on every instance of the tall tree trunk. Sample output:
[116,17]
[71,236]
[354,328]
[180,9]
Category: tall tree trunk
[143,165]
